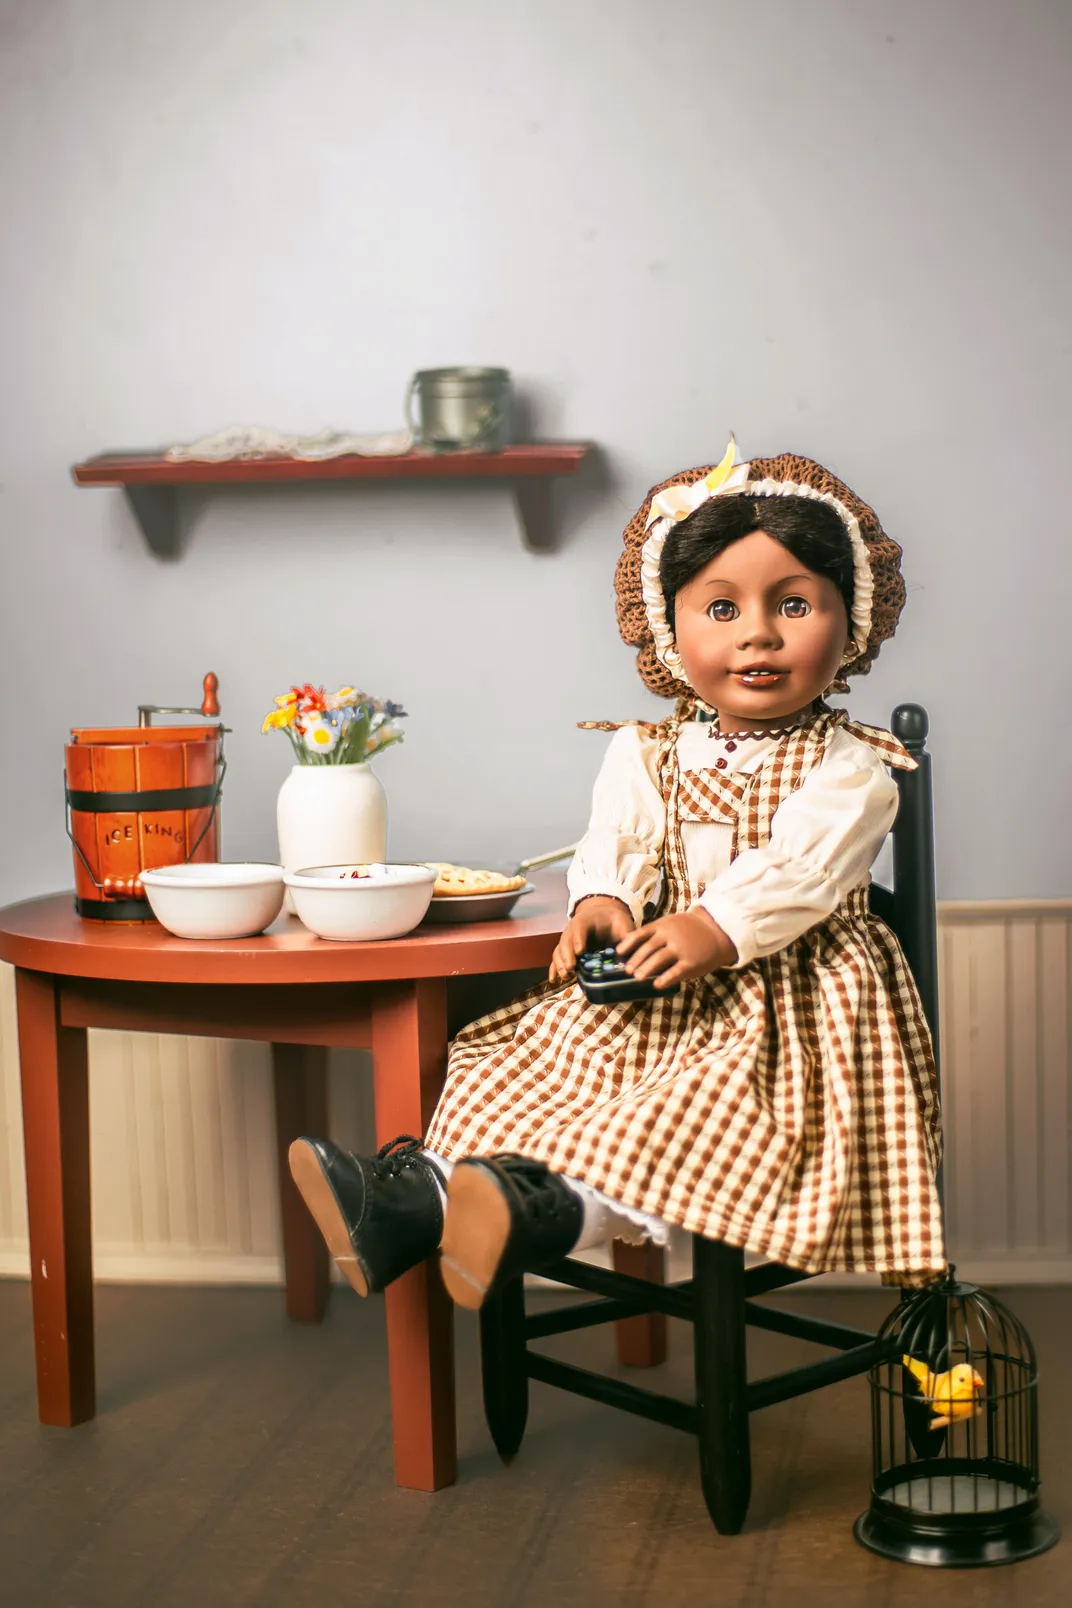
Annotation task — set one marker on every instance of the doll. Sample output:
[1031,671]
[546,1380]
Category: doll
[778,1092]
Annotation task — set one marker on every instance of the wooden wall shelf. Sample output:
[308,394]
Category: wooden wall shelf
[152,483]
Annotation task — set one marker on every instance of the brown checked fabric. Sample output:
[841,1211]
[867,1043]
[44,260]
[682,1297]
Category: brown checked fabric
[788,1107]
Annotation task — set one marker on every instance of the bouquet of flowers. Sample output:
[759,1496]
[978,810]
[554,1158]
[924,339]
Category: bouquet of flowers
[341,728]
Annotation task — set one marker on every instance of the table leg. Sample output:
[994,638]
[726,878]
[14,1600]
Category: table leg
[409,1043]
[300,1084]
[641,1340]
[55,1125]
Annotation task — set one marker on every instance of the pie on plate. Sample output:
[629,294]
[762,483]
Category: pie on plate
[461,881]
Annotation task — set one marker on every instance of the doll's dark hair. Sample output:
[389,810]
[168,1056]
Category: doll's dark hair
[811,530]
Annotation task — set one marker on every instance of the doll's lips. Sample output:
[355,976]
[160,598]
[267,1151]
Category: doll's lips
[758,675]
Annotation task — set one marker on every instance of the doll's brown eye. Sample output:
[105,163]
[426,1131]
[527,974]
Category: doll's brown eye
[722,610]
[795,608]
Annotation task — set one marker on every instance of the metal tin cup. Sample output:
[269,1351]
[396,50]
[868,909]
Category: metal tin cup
[460,409]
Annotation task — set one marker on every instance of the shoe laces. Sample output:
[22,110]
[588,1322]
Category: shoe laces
[535,1185]
[397,1154]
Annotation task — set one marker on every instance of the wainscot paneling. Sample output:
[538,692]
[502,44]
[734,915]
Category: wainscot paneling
[183,1171]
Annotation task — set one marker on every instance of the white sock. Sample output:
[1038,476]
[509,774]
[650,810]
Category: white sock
[600,1219]
[597,1215]
[446,1168]
[604,1220]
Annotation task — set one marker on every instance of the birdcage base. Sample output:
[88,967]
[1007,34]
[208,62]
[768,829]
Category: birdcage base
[955,1521]
[966,1494]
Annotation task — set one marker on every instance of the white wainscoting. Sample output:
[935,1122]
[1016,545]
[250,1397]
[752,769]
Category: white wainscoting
[1005,1010]
[183,1158]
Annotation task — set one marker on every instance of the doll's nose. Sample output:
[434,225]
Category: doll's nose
[758,630]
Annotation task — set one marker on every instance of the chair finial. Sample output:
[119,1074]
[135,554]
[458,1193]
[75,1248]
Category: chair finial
[910,725]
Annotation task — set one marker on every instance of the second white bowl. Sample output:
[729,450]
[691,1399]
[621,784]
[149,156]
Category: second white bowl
[213,899]
[387,903]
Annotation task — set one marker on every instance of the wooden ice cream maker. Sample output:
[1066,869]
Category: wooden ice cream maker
[139,797]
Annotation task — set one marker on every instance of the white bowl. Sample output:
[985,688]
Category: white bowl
[387,903]
[209,899]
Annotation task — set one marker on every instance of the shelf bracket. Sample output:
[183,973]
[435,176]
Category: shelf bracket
[156,510]
[534,512]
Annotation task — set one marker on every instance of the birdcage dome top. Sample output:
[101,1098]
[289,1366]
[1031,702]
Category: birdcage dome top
[974,1320]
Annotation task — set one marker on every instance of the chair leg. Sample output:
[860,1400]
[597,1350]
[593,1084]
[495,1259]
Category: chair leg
[641,1340]
[502,1359]
[722,1382]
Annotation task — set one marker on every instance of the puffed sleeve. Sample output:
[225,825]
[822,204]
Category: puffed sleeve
[824,838]
[619,854]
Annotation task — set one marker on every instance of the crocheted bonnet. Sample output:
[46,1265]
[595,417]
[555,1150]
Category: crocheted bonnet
[878,589]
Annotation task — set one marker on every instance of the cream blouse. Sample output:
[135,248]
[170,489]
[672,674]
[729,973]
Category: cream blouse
[824,836]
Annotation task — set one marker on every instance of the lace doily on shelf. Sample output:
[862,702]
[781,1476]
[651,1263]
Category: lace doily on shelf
[253,441]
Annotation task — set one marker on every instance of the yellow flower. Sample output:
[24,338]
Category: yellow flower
[278,719]
[723,470]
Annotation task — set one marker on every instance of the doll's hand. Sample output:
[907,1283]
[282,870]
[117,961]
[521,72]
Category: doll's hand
[675,948]
[596,920]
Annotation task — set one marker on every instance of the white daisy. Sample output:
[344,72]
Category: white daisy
[320,735]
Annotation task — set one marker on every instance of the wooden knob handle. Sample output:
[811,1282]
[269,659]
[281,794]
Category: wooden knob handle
[123,888]
[211,704]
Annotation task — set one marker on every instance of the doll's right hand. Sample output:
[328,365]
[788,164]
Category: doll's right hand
[597,921]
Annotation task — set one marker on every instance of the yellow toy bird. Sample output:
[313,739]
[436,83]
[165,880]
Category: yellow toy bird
[951,1396]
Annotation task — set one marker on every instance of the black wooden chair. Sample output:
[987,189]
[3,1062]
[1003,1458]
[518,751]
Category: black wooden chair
[718,1299]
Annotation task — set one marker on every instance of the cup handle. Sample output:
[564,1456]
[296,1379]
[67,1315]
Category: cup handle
[487,422]
[408,410]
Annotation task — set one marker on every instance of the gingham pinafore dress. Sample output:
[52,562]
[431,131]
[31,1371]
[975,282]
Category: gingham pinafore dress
[788,1107]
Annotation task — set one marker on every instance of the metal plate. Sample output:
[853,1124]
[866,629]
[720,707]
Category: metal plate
[475,906]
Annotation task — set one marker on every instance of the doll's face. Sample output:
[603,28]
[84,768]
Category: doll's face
[759,635]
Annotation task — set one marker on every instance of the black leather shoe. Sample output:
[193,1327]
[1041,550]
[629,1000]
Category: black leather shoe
[505,1215]
[380,1215]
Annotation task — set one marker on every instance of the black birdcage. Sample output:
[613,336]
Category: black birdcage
[954,1406]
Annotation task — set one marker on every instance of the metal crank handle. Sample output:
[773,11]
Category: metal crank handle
[209,706]
[547,859]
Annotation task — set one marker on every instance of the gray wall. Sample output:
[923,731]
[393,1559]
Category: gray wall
[836,226]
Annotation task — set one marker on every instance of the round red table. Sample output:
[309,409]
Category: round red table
[400,998]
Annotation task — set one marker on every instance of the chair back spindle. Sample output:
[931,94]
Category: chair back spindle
[915,917]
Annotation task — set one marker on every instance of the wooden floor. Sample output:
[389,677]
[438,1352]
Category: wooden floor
[239,1460]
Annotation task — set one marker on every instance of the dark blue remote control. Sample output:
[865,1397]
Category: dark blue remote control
[602,975]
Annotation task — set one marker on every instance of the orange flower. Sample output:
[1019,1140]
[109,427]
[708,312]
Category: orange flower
[311,698]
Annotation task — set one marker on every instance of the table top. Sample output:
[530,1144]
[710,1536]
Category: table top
[46,935]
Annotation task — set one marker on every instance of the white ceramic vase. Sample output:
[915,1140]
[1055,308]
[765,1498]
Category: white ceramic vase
[331,815]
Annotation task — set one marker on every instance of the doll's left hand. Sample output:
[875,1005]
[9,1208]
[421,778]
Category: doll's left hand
[675,948]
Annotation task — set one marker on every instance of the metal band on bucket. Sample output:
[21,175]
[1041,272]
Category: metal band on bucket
[159,798]
[113,909]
